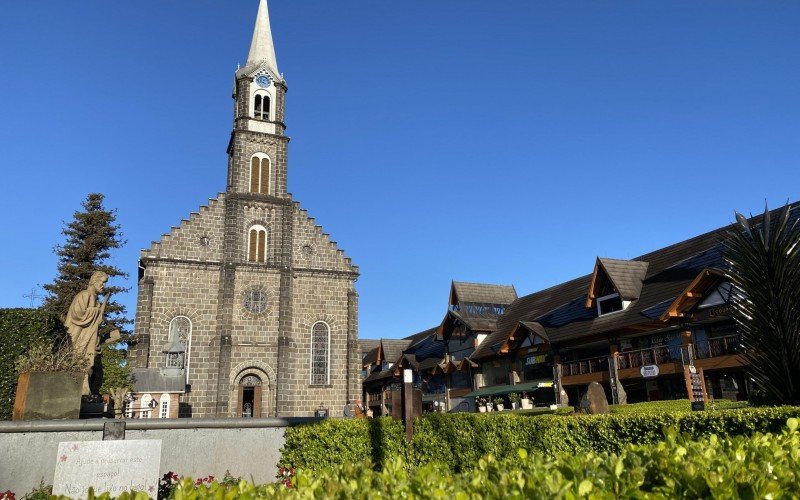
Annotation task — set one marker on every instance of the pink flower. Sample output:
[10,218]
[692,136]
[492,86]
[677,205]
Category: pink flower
[63,458]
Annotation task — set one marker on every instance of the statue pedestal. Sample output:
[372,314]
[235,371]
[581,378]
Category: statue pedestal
[48,396]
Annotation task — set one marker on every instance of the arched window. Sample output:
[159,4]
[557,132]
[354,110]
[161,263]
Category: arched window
[320,353]
[261,107]
[180,329]
[164,406]
[257,244]
[144,406]
[127,406]
[259,173]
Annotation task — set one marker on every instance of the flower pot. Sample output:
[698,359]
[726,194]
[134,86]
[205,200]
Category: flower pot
[501,407]
[482,409]
[48,396]
[526,404]
[514,405]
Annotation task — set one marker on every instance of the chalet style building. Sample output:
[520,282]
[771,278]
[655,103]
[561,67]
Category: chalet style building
[439,356]
[643,328]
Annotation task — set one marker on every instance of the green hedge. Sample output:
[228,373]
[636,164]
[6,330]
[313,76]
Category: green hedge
[758,466]
[19,330]
[675,405]
[459,440]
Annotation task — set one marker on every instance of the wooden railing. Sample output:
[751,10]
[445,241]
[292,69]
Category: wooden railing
[583,366]
[719,346]
[650,356]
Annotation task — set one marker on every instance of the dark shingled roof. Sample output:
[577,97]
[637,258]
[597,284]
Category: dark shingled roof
[372,356]
[482,293]
[669,271]
[366,345]
[151,380]
[626,275]
[392,349]
[379,375]
[424,334]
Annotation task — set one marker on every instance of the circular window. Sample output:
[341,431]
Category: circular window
[255,300]
[308,250]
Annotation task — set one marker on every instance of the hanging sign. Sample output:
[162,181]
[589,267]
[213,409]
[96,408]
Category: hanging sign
[649,371]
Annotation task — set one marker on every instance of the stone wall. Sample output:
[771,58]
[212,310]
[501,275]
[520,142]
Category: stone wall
[184,447]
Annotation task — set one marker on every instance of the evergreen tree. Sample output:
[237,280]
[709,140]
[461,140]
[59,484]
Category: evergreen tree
[91,236]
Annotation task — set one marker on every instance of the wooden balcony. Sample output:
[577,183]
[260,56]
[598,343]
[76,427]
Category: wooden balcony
[719,352]
[585,371]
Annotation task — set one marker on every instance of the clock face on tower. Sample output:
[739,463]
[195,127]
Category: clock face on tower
[263,81]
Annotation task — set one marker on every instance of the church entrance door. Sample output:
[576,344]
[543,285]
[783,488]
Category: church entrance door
[250,397]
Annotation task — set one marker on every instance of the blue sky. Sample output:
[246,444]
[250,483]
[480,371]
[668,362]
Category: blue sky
[507,142]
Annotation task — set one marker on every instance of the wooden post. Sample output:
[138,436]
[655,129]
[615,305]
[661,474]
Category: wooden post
[408,402]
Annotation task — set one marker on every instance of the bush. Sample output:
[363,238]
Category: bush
[759,466]
[20,330]
[336,441]
[459,440]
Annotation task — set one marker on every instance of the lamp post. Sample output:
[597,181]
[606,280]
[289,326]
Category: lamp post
[408,402]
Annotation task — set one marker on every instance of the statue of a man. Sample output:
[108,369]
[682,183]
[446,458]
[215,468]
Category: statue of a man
[83,320]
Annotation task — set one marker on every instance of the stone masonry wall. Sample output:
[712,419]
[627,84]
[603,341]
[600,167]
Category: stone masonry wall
[182,289]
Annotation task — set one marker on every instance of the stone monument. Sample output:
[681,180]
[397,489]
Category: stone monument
[83,322]
[594,401]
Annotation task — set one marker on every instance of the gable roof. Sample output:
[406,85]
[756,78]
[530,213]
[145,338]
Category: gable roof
[392,349]
[481,293]
[669,272]
[625,275]
[367,345]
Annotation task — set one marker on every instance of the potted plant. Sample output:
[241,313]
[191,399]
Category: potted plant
[526,401]
[514,398]
[50,383]
[498,403]
[481,403]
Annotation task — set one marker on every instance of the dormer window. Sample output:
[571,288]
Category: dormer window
[609,304]
[615,284]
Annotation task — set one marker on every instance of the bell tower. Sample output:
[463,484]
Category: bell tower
[257,148]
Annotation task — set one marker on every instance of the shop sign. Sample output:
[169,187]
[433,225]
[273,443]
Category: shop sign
[532,360]
[649,371]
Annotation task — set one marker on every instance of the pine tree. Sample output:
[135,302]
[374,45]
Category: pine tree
[91,236]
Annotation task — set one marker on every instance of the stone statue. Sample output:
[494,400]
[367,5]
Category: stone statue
[83,321]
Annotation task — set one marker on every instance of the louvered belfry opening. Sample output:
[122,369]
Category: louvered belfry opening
[259,175]
[257,245]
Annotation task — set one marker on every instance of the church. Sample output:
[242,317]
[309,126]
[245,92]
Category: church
[247,308]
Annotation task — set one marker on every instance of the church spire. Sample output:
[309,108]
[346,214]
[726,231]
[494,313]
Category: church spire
[262,50]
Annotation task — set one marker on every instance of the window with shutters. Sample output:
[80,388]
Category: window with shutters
[257,244]
[259,173]
[320,353]
[261,107]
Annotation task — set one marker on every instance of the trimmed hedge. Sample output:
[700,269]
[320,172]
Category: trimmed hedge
[459,440]
[759,466]
[675,405]
[19,330]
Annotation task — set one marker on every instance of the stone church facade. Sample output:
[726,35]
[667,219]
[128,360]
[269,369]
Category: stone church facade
[247,308]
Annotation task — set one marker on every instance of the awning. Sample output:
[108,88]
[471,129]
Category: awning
[507,389]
